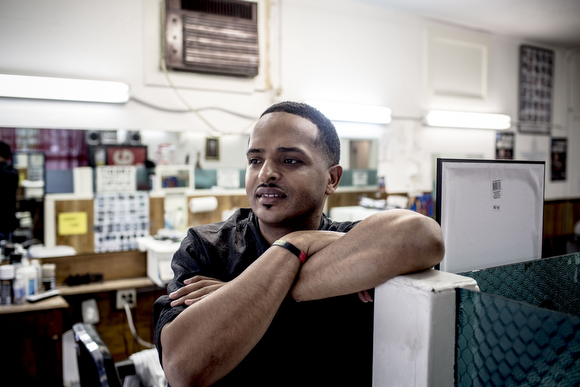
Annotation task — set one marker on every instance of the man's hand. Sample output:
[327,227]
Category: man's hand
[365,296]
[195,289]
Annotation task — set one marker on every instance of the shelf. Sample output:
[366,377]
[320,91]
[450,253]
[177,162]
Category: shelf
[107,286]
[56,302]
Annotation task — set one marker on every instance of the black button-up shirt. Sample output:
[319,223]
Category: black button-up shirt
[314,343]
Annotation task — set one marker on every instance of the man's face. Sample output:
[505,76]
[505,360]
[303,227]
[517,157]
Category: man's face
[287,178]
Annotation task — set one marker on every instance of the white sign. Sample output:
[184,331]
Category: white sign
[360,178]
[116,179]
[228,178]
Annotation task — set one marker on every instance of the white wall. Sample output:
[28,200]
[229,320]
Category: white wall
[337,50]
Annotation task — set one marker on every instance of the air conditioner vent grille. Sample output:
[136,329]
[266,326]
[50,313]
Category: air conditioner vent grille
[214,39]
[217,7]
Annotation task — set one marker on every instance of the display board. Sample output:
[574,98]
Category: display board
[490,212]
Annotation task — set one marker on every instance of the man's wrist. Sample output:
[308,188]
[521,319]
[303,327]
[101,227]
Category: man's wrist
[293,249]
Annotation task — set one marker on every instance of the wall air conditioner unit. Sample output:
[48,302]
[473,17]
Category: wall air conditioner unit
[212,36]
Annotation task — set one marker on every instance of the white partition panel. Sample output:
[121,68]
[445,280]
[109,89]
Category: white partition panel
[414,329]
[490,211]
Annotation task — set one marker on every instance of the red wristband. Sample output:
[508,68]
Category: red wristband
[293,249]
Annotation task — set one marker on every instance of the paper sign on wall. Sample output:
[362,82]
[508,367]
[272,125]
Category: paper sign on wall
[228,178]
[360,178]
[116,179]
[72,223]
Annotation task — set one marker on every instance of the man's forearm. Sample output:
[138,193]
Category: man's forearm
[379,248]
[203,343]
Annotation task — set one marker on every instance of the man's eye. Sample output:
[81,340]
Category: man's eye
[252,161]
[290,161]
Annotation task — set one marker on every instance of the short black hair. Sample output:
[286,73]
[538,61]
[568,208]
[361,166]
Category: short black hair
[327,139]
[5,151]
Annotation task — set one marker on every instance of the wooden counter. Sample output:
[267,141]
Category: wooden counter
[33,331]
[56,302]
[32,339]
[106,286]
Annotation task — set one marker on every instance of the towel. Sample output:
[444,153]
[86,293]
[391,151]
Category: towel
[148,371]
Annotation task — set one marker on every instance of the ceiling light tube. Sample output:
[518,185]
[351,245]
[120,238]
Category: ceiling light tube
[21,86]
[353,113]
[449,119]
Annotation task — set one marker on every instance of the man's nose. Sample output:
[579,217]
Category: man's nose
[269,172]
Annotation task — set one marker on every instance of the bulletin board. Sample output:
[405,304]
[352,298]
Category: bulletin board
[490,211]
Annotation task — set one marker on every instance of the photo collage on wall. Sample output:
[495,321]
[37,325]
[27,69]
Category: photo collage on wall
[536,84]
[120,218]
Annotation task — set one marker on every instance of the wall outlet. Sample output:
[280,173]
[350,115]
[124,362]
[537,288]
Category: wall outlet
[126,296]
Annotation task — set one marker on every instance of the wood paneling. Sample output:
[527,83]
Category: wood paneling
[117,265]
[560,217]
[156,214]
[81,243]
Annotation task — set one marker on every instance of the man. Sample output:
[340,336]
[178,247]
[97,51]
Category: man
[9,186]
[243,311]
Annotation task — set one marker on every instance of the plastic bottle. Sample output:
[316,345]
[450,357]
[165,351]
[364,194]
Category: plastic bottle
[6,283]
[28,274]
[49,276]
[179,219]
[35,263]
[19,289]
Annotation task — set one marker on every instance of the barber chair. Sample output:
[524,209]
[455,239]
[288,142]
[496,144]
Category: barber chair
[95,364]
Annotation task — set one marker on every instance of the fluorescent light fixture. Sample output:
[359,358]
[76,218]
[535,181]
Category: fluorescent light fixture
[353,113]
[449,119]
[356,130]
[21,86]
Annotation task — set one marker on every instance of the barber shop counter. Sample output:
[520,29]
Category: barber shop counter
[32,332]
[32,342]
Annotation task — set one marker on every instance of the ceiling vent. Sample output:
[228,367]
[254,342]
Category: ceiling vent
[212,36]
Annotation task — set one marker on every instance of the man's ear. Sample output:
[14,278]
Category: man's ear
[334,175]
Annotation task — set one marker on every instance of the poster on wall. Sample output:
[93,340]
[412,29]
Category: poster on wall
[120,219]
[536,82]
[116,179]
[504,146]
[558,159]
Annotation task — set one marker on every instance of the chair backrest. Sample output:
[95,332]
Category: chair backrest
[96,365]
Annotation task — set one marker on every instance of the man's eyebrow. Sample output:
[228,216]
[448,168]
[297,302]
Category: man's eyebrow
[290,149]
[280,149]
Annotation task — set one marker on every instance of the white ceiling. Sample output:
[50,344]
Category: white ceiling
[552,22]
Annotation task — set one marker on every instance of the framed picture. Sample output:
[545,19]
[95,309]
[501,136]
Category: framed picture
[212,148]
[504,146]
[536,84]
[559,148]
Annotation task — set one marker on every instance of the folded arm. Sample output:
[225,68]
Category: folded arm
[381,247]
[202,344]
